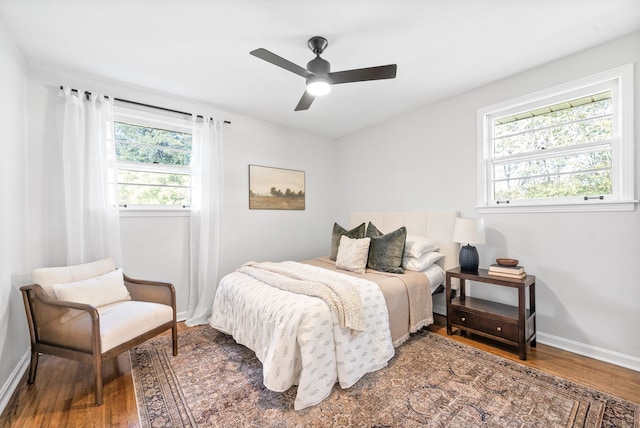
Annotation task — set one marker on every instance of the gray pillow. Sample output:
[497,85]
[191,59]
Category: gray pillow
[338,231]
[386,250]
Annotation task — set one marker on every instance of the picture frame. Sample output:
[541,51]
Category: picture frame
[273,188]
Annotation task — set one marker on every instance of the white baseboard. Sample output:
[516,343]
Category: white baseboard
[606,355]
[12,383]
[181,316]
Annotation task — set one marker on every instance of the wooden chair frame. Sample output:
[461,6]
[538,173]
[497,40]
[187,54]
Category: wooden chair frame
[37,302]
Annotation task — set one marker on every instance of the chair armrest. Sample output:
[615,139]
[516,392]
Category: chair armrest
[151,291]
[35,293]
[42,309]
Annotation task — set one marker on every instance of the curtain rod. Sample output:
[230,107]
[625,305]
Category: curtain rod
[148,105]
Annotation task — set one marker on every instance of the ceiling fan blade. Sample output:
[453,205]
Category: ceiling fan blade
[362,74]
[305,101]
[279,61]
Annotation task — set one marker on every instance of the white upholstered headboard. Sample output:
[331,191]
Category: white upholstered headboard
[436,225]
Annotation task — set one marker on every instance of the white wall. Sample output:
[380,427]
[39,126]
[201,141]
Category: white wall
[586,264]
[14,265]
[157,248]
[277,235]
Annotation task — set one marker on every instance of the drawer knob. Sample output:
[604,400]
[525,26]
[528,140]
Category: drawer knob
[499,328]
[463,319]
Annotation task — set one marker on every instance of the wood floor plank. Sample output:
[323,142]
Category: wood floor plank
[615,380]
[63,394]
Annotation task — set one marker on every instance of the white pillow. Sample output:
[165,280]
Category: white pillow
[353,254]
[436,276]
[97,291]
[417,246]
[422,262]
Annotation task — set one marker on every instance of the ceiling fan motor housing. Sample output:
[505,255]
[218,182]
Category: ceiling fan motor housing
[319,66]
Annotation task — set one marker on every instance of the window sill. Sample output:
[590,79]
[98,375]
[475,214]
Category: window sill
[555,208]
[155,212]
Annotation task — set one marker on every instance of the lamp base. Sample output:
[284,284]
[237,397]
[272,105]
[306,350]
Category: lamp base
[469,259]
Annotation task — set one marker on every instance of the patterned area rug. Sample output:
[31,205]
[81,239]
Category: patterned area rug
[432,381]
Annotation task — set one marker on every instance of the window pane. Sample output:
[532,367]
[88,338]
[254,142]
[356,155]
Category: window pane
[136,143]
[563,127]
[545,117]
[595,183]
[583,174]
[126,152]
[152,188]
[597,159]
[575,133]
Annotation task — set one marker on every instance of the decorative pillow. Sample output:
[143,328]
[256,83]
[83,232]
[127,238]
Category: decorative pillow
[417,246]
[422,262]
[352,254]
[97,291]
[338,231]
[385,251]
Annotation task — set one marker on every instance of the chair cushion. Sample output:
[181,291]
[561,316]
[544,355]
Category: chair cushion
[119,323]
[123,321]
[46,277]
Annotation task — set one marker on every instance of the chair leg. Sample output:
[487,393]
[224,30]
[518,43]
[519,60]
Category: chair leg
[97,374]
[33,367]
[174,336]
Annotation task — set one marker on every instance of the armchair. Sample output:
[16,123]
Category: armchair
[92,312]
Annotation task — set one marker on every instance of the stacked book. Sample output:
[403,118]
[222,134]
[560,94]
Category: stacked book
[516,272]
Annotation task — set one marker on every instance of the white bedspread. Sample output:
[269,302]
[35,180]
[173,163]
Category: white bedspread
[297,337]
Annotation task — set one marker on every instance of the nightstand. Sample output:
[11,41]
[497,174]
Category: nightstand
[513,325]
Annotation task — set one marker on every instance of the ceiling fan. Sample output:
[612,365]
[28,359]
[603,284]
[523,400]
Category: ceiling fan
[318,73]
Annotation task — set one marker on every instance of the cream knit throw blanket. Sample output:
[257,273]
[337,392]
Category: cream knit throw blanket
[341,296]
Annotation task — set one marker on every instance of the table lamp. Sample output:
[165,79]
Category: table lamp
[468,231]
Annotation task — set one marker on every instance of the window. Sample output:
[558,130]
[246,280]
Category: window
[567,148]
[153,159]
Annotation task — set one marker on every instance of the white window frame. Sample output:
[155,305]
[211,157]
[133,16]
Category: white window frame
[620,81]
[154,119]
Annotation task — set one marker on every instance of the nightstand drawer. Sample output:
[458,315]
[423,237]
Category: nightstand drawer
[495,326]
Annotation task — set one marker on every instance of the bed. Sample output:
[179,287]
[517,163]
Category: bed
[315,342]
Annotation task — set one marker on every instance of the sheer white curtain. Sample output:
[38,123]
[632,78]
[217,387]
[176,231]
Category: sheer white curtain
[91,207]
[206,210]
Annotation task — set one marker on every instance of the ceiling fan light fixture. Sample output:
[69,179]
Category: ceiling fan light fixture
[318,85]
[318,75]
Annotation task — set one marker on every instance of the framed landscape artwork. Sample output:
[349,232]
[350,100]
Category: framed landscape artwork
[275,188]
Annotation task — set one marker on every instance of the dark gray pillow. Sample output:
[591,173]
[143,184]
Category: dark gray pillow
[338,231]
[386,250]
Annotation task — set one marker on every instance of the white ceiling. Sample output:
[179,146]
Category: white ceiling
[199,49]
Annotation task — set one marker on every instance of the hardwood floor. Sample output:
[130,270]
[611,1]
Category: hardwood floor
[62,395]
[615,380]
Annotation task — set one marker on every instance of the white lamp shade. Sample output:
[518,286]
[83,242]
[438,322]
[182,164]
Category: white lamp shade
[469,231]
